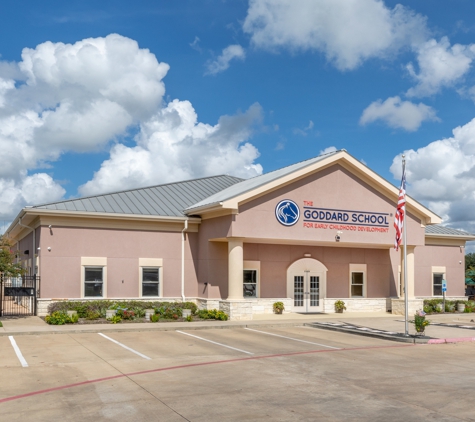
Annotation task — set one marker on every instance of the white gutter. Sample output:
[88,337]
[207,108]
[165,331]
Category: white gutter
[33,256]
[183,260]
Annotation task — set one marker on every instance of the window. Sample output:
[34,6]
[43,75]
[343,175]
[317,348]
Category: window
[151,281]
[438,274]
[93,282]
[250,283]
[437,283]
[357,283]
[357,280]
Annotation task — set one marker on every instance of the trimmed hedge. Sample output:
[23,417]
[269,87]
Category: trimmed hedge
[93,309]
[430,305]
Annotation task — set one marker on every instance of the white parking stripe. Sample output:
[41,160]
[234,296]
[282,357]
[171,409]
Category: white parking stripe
[125,347]
[290,338]
[209,341]
[18,352]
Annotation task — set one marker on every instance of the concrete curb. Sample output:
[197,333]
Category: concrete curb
[106,328]
[401,339]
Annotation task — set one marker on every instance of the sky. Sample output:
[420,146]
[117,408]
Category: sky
[103,96]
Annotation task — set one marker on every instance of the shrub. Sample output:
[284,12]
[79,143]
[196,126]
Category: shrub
[1,325]
[449,306]
[60,318]
[92,315]
[125,313]
[114,319]
[278,307]
[189,318]
[339,306]
[212,314]
[169,311]
[190,305]
[154,318]
[469,306]
[430,305]
[166,310]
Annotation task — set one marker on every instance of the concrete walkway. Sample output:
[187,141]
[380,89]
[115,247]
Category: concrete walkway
[444,327]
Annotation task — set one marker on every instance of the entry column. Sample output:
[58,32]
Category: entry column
[235,268]
[410,270]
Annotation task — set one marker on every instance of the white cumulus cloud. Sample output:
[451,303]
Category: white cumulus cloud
[442,175]
[346,31]
[398,114]
[231,52]
[173,146]
[86,96]
[440,65]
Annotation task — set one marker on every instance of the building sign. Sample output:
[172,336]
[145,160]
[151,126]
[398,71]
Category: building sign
[287,212]
[334,219]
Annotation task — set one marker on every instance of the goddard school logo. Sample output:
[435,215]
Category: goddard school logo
[287,212]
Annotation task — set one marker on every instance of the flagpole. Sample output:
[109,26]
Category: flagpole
[406,301]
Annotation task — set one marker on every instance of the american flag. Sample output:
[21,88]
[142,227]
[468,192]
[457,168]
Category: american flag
[400,211]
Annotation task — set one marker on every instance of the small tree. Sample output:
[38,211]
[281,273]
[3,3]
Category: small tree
[7,265]
[469,260]
[470,266]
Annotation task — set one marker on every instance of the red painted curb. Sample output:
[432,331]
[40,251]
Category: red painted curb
[191,365]
[450,340]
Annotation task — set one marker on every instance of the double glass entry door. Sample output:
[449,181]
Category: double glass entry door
[306,292]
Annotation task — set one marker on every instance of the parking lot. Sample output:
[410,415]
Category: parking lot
[260,373]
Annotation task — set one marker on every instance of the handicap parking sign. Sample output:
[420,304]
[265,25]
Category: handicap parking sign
[444,285]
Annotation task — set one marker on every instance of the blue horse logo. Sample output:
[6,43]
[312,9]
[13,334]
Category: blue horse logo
[287,212]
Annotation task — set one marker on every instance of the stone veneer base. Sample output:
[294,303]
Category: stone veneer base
[244,309]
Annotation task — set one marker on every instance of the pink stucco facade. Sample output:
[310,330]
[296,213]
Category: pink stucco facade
[267,243]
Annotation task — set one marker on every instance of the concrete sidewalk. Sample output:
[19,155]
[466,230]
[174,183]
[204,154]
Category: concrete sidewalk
[444,327]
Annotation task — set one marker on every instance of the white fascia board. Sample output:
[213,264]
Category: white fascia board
[450,236]
[365,173]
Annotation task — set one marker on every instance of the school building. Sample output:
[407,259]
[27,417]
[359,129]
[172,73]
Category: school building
[307,235]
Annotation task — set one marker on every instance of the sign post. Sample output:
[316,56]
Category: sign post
[444,289]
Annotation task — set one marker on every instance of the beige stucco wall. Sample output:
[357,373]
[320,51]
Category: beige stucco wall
[265,240]
[450,257]
[60,268]
[332,188]
[275,260]
[212,263]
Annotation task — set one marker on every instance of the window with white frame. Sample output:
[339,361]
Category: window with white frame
[150,281]
[437,283]
[438,274]
[357,284]
[93,282]
[249,283]
[357,280]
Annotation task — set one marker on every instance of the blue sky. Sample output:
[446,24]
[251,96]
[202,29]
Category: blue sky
[102,96]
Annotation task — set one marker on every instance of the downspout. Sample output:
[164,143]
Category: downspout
[33,256]
[183,260]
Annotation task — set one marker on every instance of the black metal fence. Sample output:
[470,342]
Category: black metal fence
[18,295]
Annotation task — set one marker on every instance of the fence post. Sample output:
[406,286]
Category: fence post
[35,299]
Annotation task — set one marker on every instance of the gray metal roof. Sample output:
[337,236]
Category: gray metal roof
[446,231]
[255,182]
[163,200]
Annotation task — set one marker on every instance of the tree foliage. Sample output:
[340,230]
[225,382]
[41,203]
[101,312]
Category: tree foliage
[469,260]
[8,267]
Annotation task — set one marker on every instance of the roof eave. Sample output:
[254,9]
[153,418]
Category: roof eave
[451,236]
[30,211]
